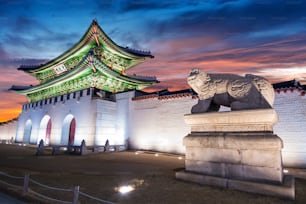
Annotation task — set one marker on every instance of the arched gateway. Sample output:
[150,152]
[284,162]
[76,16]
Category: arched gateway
[68,130]
[45,130]
[27,131]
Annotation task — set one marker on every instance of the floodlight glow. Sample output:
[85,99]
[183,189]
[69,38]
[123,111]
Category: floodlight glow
[125,189]
[156,155]
[180,158]
[136,153]
[285,171]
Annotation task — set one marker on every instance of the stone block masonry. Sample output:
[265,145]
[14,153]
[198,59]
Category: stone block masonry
[252,156]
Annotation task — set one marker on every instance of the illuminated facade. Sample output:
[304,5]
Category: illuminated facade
[79,93]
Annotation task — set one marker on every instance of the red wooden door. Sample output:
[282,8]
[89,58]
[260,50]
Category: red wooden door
[72,132]
[48,132]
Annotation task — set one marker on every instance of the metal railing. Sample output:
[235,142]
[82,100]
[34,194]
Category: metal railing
[27,180]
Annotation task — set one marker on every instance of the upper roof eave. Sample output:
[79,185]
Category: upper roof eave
[80,44]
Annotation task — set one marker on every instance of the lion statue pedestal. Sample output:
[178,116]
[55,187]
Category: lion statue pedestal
[236,149]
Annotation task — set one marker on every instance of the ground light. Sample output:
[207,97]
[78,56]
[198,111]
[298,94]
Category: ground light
[125,189]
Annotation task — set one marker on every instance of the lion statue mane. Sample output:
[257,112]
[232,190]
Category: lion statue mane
[234,91]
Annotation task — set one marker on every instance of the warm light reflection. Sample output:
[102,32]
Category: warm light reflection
[129,186]
[285,171]
[125,189]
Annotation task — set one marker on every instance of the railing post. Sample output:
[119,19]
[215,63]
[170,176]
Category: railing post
[26,183]
[76,194]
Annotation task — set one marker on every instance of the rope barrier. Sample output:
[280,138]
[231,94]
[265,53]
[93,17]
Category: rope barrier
[50,187]
[10,176]
[95,198]
[25,186]
[11,185]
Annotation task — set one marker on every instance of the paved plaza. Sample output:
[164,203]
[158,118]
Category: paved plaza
[150,173]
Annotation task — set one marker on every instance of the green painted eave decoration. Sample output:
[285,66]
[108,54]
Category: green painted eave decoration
[71,62]
[82,77]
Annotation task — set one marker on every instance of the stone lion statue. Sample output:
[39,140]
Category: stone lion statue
[236,92]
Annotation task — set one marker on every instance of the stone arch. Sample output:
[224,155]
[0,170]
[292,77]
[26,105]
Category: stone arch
[27,131]
[45,130]
[68,130]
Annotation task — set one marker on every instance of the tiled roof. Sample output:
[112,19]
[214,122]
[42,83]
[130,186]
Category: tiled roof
[29,67]
[138,52]
[19,88]
[164,94]
[290,86]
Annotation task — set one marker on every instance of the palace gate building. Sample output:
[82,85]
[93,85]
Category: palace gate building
[82,93]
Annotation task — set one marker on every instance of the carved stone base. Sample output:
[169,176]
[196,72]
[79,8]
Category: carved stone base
[233,121]
[218,153]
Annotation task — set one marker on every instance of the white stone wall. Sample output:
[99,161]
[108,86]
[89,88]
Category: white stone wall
[123,117]
[82,108]
[159,124]
[105,122]
[291,128]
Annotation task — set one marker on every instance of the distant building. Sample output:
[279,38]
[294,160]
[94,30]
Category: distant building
[85,94]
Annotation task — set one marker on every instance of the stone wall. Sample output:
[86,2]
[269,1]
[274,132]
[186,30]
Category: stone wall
[60,111]
[105,122]
[158,124]
[291,128]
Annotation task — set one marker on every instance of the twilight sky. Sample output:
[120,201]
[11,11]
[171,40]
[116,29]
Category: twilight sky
[264,37]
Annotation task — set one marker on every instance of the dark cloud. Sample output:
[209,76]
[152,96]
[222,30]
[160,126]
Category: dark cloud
[133,5]
[15,63]
[231,20]
[3,54]
[29,25]
[283,51]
